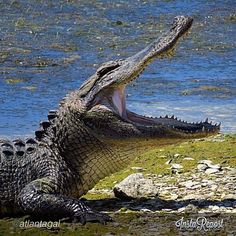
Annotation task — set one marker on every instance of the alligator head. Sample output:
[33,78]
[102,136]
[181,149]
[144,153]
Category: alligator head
[97,110]
[104,96]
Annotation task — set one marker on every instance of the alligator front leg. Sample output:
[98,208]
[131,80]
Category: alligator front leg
[39,198]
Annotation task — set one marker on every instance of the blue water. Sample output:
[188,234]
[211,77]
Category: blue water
[48,48]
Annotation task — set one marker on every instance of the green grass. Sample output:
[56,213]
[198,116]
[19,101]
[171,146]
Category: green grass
[218,151]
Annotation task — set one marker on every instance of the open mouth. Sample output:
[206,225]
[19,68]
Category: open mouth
[107,88]
[115,101]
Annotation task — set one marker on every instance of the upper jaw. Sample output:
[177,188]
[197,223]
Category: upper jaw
[121,72]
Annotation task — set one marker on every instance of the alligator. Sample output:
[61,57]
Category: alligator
[90,136]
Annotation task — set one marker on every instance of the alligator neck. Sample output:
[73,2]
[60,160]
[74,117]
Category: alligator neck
[88,158]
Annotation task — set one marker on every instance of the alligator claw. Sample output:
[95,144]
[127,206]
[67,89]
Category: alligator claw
[91,216]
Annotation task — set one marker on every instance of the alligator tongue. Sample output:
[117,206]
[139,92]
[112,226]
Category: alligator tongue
[118,98]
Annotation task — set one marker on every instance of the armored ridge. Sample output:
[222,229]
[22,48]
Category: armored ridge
[90,136]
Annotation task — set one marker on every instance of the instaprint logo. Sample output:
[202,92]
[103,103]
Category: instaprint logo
[200,223]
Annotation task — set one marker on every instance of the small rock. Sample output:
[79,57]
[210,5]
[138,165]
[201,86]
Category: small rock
[202,167]
[232,171]
[206,162]
[223,196]
[135,186]
[214,187]
[222,208]
[190,208]
[145,210]
[228,211]
[176,155]
[214,208]
[176,171]
[209,164]
[137,169]
[173,196]
[188,159]
[189,184]
[217,166]
[176,166]
[211,171]
[168,162]
[167,210]
[164,193]
[182,209]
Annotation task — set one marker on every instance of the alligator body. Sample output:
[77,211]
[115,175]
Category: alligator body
[90,136]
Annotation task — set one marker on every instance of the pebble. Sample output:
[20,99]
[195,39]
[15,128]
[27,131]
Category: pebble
[214,208]
[176,166]
[145,210]
[214,166]
[176,155]
[202,167]
[182,209]
[206,162]
[167,209]
[168,162]
[189,184]
[214,187]
[173,196]
[211,171]
[188,159]
[191,208]
[137,169]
